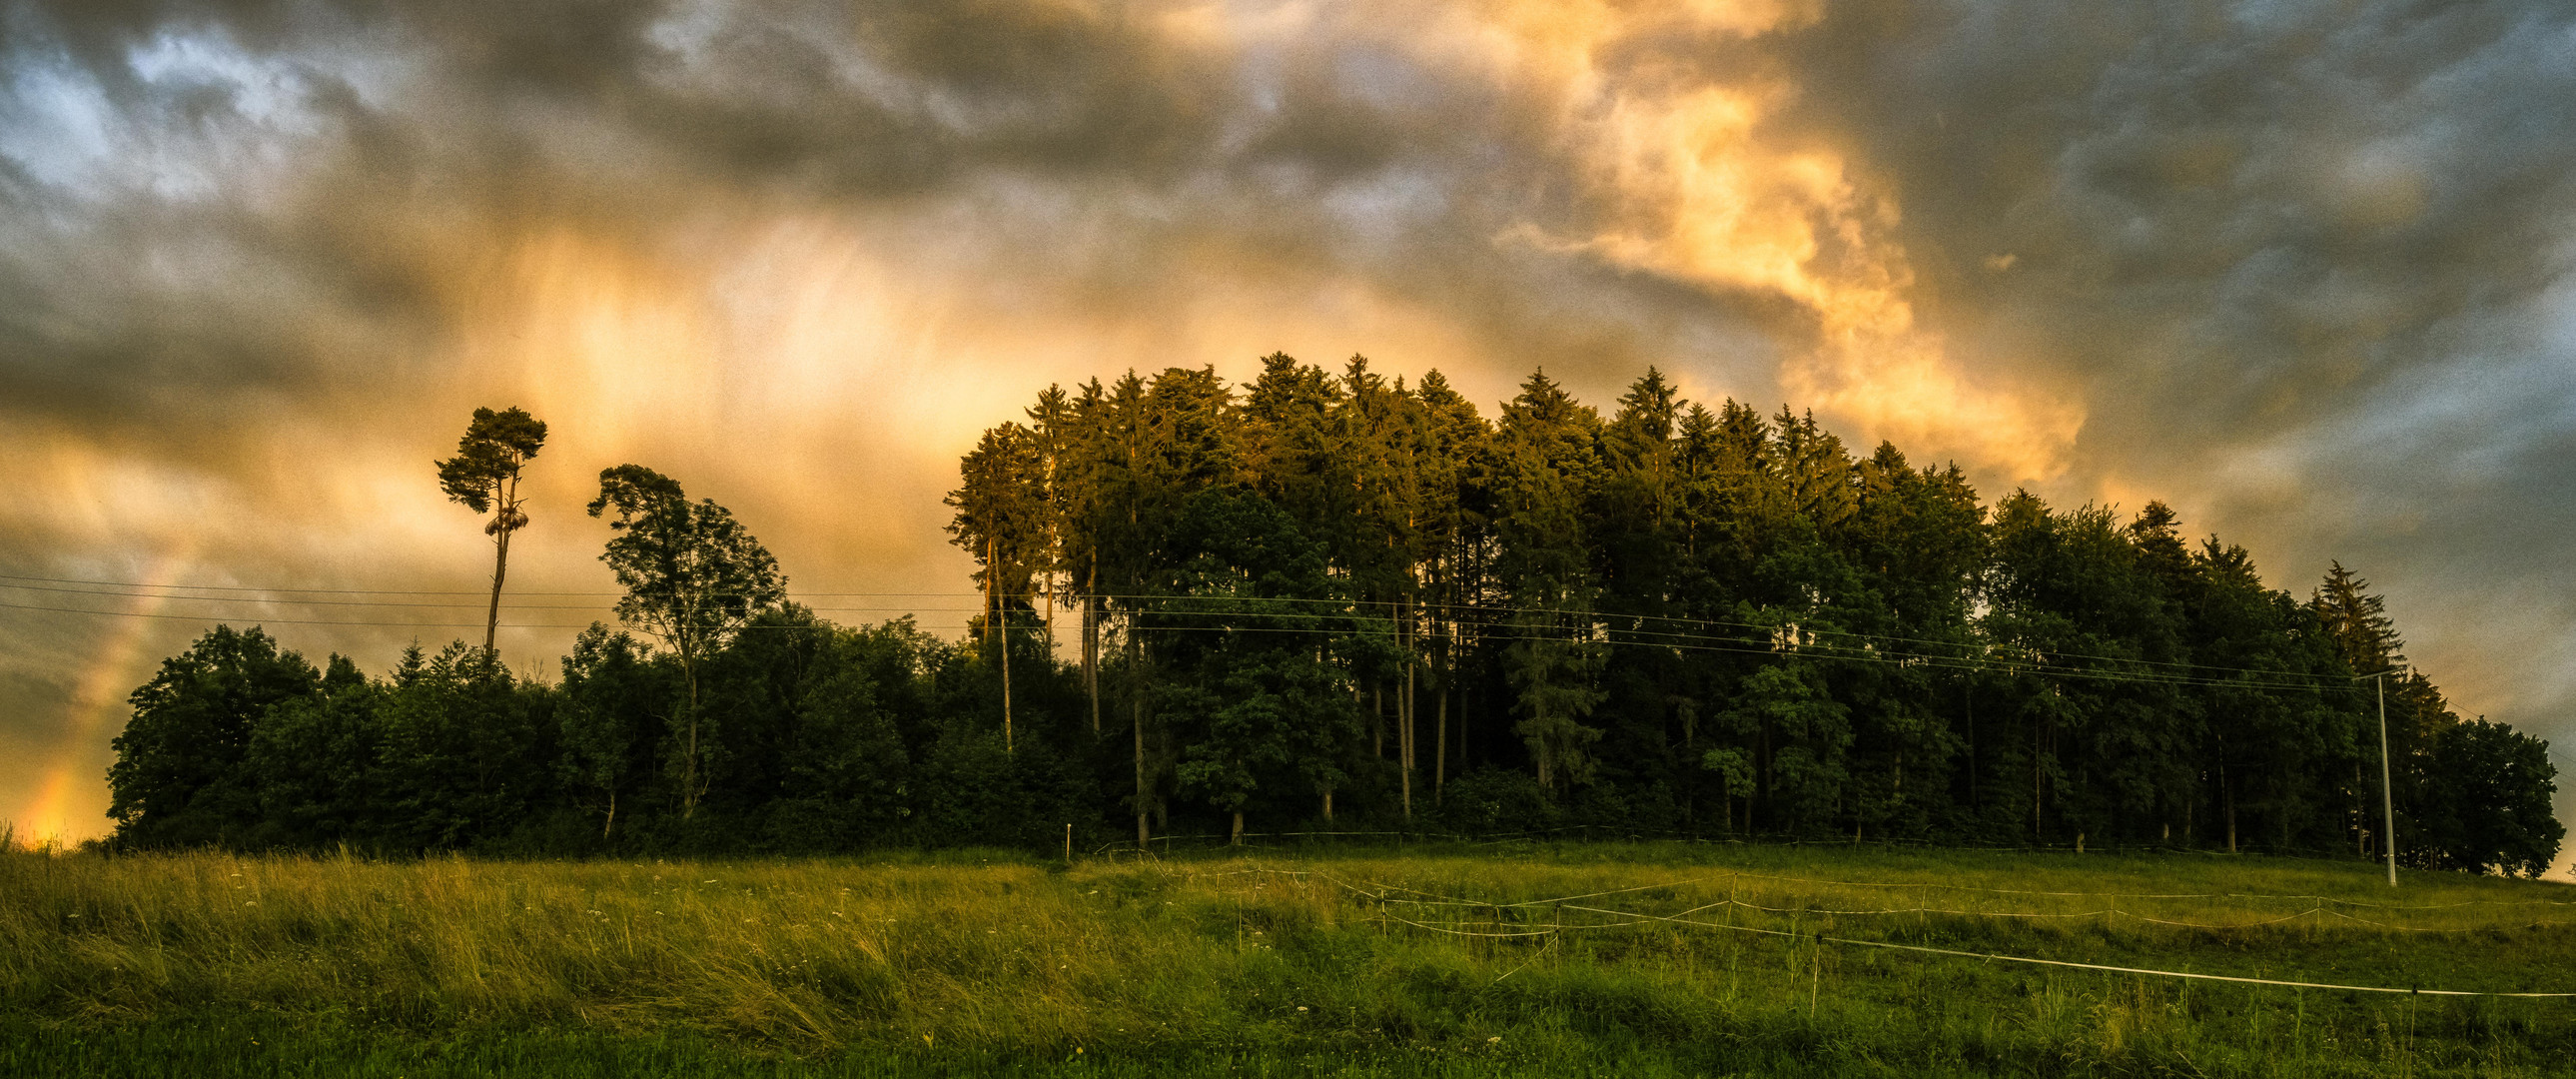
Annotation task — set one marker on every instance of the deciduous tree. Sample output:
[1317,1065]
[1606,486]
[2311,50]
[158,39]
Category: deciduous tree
[693,578]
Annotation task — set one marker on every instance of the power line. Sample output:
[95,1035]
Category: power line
[2187,673]
[285,621]
[505,605]
[1498,631]
[382,591]
[1726,645]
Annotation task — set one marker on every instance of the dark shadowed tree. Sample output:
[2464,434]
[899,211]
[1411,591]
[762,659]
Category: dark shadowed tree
[2493,786]
[615,699]
[179,778]
[846,775]
[1255,660]
[693,578]
[314,757]
[1004,522]
[464,751]
[1546,463]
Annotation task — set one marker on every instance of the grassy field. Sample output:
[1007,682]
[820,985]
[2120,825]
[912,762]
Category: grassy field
[1603,959]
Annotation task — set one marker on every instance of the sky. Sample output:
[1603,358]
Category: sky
[2304,271]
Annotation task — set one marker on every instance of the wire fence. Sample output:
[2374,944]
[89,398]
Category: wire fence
[1601,833]
[1498,927]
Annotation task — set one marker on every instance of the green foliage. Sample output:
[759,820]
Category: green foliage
[692,574]
[180,777]
[1256,660]
[2493,799]
[485,470]
[463,752]
[693,577]
[614,705]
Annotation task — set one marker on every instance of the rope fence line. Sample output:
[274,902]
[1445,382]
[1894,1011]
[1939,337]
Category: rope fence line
[2308,913]
[2123,895]
[1381,897]
[1465,933]
[2317,904]
[1768,841]
[1630,918]
[2421,929]
[2107,912]
[2001,958]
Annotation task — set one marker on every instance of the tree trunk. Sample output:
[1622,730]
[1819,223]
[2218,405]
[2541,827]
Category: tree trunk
[1976,781]
[996,631]
[1404,720]
[1237,839]
[1689,712]
[1136,707]
[1007,747]
[500,567]
[2038,756]
[689,768]
[1760,796]
[1091,642]
[2227,786]
[1440,746]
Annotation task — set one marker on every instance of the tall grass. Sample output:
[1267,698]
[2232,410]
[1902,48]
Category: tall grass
[1460,955]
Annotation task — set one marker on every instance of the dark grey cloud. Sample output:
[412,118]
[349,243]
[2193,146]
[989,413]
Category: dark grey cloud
[2312,261]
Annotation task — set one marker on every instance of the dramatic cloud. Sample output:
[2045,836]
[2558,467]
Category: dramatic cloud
[2303,270]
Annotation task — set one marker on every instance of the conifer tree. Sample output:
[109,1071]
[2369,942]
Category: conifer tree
[484,477]
[1545,465]
[1450,535]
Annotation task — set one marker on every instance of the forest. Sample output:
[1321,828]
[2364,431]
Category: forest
[1334,602]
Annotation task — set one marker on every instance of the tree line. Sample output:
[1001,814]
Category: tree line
[1335,601]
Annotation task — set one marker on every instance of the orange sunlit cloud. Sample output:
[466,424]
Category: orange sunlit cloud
[1698,182]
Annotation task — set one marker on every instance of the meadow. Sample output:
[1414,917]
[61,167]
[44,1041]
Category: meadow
[1540,959]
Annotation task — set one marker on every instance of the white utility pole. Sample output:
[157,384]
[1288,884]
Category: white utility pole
[2387,799]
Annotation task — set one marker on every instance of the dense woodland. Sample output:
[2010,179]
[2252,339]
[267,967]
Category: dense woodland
[1336,602]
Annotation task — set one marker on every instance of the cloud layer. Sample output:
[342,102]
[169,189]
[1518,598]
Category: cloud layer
[2301,269]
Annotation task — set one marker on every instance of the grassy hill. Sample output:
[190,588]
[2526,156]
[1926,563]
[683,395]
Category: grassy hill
[1625,959]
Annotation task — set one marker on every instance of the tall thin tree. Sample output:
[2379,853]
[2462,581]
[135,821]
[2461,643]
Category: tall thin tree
[484,477]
